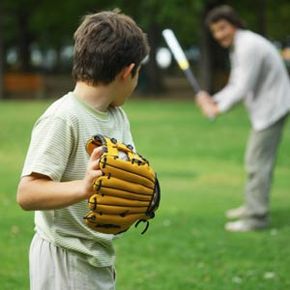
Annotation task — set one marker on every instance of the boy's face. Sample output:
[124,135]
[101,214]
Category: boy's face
[223,32]
[127,87]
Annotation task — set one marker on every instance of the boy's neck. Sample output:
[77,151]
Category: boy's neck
[99,97]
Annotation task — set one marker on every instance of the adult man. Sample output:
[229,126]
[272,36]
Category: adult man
[259,78]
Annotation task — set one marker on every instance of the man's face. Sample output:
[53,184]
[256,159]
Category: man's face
[223,32]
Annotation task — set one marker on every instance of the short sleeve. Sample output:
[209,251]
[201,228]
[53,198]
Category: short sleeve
[50,147]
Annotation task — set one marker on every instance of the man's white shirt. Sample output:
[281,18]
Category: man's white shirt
[259,78]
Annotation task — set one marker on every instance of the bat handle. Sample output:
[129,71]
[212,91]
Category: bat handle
[192,80]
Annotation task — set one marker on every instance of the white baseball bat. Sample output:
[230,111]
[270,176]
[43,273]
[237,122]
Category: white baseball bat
[180,58]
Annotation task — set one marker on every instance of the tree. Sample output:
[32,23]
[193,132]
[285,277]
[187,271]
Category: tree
[278,19]
[51,23]
[154,16]
[18,27]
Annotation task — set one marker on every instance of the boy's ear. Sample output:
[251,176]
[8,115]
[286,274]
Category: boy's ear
[126,71]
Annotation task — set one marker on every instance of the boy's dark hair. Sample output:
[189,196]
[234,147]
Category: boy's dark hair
[105,43]
[224,12]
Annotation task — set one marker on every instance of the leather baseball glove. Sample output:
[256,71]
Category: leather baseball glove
[128,192]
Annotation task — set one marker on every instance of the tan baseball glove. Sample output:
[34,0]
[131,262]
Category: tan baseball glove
[127,193]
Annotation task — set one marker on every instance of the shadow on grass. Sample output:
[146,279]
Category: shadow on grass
[280,218]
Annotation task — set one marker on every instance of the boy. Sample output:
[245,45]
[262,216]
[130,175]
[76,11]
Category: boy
[58,174]
[259,78]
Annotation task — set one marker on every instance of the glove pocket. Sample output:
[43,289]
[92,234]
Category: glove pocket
[122,188]
[120,210]
[125,170]
[97,200]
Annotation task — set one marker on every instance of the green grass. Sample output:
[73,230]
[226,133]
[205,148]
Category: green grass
[200,166]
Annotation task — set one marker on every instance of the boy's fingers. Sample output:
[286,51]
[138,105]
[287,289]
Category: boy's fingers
[94,165]
[96,173]
[97,153]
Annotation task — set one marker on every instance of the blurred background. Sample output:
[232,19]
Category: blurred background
[36,42]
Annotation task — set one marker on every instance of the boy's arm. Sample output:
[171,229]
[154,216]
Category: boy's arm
[39,192]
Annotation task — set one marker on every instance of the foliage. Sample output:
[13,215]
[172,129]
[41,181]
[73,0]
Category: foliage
[278,19]
[51,23]
[275,16]
[182,16]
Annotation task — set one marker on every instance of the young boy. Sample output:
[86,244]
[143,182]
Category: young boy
[58,174]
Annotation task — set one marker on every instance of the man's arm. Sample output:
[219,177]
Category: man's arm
[246,66]
[39,192]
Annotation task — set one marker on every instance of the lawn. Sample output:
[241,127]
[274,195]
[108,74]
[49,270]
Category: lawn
[200,167]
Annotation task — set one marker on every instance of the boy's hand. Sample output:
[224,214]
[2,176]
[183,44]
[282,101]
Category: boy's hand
[93,172]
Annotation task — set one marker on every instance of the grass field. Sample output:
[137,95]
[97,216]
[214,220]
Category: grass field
[200,166]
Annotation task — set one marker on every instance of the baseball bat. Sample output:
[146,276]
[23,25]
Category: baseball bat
[182,61]
[180,58]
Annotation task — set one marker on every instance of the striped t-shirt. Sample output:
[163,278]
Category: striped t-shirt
[57,150]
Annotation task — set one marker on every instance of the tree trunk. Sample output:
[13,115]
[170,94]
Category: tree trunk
[24,43]
[206,73]
[213,61]
[152,75]
[262,17]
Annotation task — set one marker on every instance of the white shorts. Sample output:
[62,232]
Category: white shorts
[55,268]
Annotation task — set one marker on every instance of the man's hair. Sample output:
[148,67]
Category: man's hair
[224,12]
[105,43]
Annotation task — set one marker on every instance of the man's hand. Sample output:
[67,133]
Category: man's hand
[207,105]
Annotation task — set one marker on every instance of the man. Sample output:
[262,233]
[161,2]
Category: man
[259,78]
